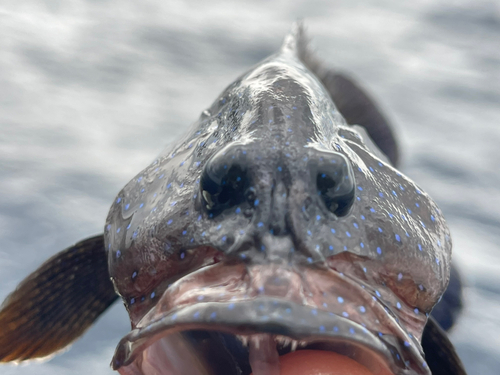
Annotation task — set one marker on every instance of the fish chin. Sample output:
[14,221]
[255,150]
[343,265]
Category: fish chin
[221,314]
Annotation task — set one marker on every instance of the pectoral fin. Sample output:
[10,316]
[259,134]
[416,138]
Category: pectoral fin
[448,309]
[440,354]
[54,305]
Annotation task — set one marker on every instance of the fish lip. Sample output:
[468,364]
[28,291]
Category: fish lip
[229,317]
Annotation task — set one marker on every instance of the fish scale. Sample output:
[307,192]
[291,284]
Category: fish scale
[384,243]
[271,221]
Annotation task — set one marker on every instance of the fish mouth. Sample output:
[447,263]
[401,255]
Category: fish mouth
[218,320]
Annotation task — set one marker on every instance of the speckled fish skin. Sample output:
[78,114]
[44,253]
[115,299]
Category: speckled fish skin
[272,215]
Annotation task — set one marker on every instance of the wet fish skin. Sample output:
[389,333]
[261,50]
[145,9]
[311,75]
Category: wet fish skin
[273,185]
[159,236]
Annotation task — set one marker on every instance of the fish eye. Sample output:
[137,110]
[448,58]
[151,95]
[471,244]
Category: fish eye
[335,185]
[224,184]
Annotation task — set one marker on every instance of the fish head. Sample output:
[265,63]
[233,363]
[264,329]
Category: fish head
[274,220]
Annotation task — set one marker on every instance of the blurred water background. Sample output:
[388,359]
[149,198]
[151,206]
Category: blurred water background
[91,91]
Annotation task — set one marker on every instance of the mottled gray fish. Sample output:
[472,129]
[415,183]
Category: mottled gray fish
[272,226]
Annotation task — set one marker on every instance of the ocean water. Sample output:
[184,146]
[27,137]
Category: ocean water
[91,91]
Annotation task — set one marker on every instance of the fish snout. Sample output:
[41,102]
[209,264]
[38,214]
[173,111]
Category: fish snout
[269,206]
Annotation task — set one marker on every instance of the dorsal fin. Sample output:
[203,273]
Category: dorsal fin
[54,305]
[296,42]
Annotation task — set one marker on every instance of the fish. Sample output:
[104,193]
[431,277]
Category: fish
[278,222]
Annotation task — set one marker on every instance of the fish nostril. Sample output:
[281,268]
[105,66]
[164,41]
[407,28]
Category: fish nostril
[224,183]
[276,230]
[251,196]
[335,185]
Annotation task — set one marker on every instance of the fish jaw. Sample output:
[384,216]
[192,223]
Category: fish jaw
[297,306]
